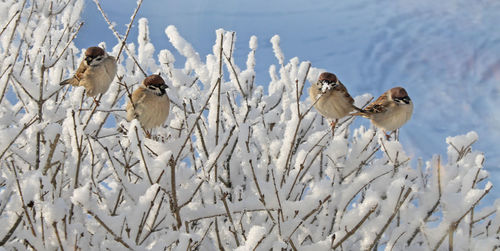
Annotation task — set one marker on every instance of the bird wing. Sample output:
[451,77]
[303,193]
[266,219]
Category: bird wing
[133,108]
[378,105]
[75,80]
[80,71]
[138,95]
[110,66]
[340,87]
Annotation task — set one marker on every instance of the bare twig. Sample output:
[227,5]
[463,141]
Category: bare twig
[316,209]
[142,155]
[54,225]
[66,46]
[218,84]
[219,242]
[188,136]
[23,203]
[11,230]
[10,20]
[234,212]
[233,230]
[122,41]
[455,223]
[261,195]
[53,146]
[173,188]
[434,207]
[116,237]
[32,121]
[399,203]
[129,26]
[197,244]
[355,228]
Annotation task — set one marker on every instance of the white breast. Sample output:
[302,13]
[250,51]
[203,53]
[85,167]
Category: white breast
[395,117]
[97,79]
[333,105]
[153,110]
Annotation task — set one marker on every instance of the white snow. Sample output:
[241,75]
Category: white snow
[242,168]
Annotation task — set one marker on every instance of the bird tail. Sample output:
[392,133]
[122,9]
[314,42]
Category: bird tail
[360,112]
[70,81]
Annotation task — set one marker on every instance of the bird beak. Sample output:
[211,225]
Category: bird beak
[163,87]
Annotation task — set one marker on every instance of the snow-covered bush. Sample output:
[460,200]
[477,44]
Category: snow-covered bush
[237,165]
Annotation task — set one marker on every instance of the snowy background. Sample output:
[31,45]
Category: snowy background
[244,163]
[444,53]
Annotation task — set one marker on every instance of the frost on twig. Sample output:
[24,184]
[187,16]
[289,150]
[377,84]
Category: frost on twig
[236,165]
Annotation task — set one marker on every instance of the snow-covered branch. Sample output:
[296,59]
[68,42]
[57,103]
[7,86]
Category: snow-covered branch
[237,165]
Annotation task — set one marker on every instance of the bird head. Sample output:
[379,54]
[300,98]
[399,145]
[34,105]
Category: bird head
[327,81]
[94,55]
[155,84]
[400,96]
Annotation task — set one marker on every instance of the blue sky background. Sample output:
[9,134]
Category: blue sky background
[445,53]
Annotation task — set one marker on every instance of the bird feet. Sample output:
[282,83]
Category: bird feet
[148,134]
[387,136]
[96,101]
[333,124]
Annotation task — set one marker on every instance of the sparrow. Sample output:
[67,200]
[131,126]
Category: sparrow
[95,72]
[149,103]
[390,111]
[331,99]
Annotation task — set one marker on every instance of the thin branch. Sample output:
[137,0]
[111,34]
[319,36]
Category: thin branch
[455,223]
[173,188]
[129,26]
[219,242]
[236,77]
[53,145]
[218,84]
[316,209]
[361,188]
[54,225]
[399,203]
[355,228]
[188,136]
[116,237]
[11,230]
[261,195]
[142,156]
[197,244]
[233,230]
[66,46]
[10,20]
[32,121]
[122,41]
[23,203]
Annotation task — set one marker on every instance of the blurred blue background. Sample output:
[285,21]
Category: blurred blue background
[445,53]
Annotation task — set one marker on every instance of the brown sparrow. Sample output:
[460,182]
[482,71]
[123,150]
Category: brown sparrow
[150,103]
[330,98]
[390,111]
[95,72]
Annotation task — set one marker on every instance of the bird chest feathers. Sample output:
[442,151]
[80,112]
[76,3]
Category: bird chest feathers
[395,117]
[97,79]
[153,110]
[333,105]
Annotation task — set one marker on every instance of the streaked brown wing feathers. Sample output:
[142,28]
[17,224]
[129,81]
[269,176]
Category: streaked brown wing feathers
[378,105]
